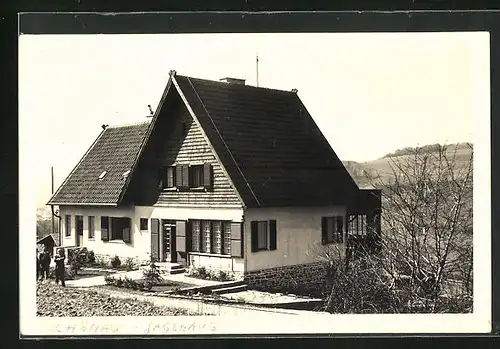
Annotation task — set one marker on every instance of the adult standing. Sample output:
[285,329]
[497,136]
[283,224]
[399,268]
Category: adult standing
[60,270]
[45,263]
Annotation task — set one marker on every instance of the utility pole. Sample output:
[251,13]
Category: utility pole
[257,67]
[52,191]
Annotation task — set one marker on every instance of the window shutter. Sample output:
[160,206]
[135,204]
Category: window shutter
[207,175]
[127,236]
[180,236]
[236,239]
[155,240]
[323,230]
[178,176]
[272,235]
[105,228]
[185,176]
[254,235]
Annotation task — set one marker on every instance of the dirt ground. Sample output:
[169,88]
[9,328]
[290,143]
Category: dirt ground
[57,301]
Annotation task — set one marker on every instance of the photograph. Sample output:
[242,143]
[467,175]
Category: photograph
[226,183]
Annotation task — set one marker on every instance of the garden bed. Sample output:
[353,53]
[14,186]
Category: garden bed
[88,273]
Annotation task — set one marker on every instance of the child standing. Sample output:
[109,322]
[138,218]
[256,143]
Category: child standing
[60,270]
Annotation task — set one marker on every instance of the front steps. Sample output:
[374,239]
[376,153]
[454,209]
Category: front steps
[220,288]
[168,268]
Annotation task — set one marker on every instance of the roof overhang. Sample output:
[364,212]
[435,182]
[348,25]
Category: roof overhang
[80,204]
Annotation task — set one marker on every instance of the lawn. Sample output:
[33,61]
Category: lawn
[57,301]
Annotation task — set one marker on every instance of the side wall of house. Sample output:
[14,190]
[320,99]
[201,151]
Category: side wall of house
[298,246]
[138,248]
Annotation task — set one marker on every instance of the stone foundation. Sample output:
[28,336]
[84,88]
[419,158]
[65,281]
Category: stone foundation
[300,279]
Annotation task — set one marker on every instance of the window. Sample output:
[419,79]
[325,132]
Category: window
[185,176]
[91,227]
[182,176]
[120,229]
[104,228]
[217,237]
[332,230]
[227,238]
[206,237]
[195,236]
[79,225]
[67,227]
[144,224]
[263,235]
[169,180]
[357,225]
[196,180]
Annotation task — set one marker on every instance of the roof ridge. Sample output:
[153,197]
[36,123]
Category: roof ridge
[137,123]
[241,85]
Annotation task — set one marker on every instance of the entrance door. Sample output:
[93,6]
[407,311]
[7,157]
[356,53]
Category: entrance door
[79,230]
[169,250]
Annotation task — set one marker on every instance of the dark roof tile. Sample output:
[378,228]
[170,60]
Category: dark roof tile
[114,151]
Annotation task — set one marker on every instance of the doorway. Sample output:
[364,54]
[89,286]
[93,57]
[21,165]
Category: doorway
[79,230]
[168,241]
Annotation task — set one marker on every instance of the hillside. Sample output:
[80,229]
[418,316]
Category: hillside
[382,166]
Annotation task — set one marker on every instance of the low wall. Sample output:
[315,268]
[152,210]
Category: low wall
[307,279]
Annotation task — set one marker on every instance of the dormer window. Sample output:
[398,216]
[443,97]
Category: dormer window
[125,174]
[102,175]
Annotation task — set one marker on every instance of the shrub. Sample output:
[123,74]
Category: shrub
[203,273]
[129,264]
[126,282]
[115,262]
[152,275]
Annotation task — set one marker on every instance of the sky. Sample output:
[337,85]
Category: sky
[370,94]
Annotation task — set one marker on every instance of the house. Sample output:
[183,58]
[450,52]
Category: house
[223,175]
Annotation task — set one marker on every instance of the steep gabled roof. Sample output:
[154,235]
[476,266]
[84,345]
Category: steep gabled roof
[115,151]
[265,139]
[269,144]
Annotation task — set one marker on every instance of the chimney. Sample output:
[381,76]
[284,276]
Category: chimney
[233,81]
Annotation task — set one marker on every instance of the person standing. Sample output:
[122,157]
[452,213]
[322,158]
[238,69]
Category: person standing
[60,270]
[37,265]
[45,263]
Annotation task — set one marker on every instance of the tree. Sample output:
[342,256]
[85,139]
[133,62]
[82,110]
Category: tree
[427,218]
[426,247]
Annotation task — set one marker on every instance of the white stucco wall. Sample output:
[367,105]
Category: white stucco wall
[139,247]
[298,235]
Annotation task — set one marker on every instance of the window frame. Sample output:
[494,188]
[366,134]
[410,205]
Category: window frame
[196,176]
[265,245]
[79,224]
[141,221]
[195,238]
[336,236]
[170,172]
[67,225]
[91,227]
[226,237]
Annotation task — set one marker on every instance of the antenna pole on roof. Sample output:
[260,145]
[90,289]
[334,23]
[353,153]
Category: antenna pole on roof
[257,67]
